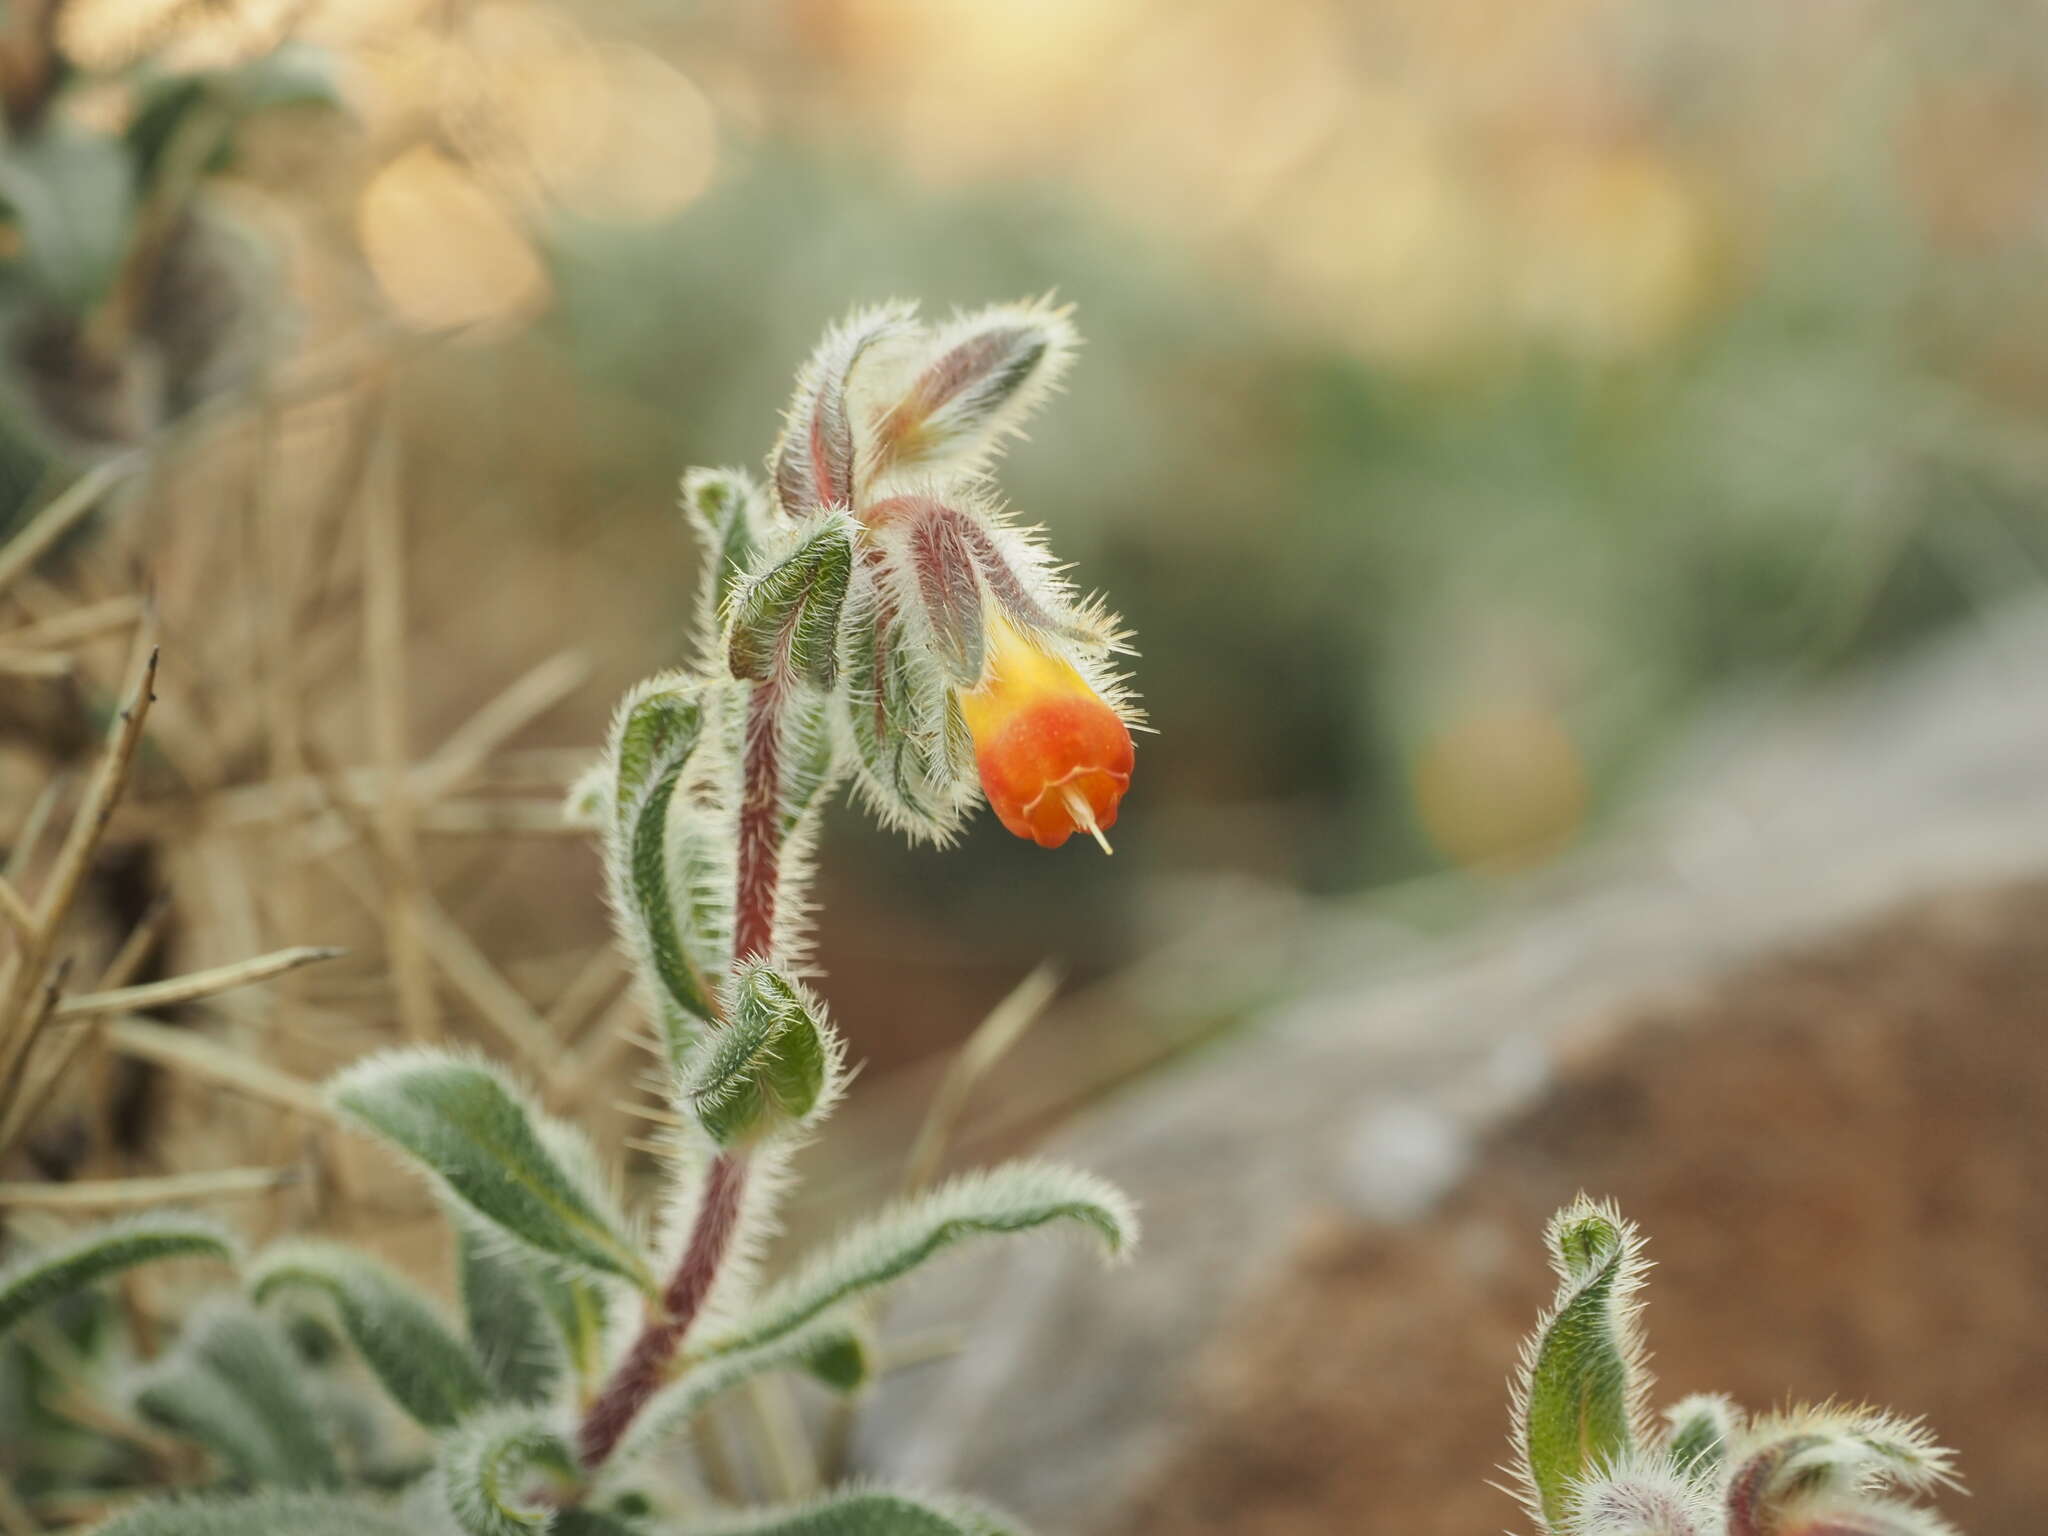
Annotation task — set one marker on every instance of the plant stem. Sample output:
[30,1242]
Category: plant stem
[641,1372]
[760,830]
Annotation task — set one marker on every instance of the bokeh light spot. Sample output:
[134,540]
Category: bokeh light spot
[1501,787]
[446,253]
[660,145]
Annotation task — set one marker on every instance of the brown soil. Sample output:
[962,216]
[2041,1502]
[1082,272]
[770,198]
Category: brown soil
[1841,1159]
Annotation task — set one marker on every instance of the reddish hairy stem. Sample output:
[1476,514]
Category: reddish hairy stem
[640,1374]
[760,826]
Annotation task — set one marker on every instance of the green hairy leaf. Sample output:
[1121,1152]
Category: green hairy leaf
[488,1469]
[786,620]
[579,1308]
[652,746]
[867,1512]
[949,589]
[510,1327]
[815,460]
[1015,1197]
[263,1514]
[1701,1431]
[725,507]
[92,1255]
[1811,1458]
[842,1361]
[479,1138]
[895,713]
[234,1385]
[984,375]
[833,1349]
[776,1052]
[1582,1379]
[429,1372]
[659,730]
[580,1303]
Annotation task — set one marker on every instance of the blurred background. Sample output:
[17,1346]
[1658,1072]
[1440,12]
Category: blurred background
[1483,403]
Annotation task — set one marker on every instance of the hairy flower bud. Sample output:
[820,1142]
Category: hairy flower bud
[1055,757]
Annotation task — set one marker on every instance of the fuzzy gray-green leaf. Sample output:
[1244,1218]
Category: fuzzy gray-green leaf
[234,1385]
[1702,1428]
[510,1330]
[787,619]
[950,592]
[1015,1197]
[773,1052]
[725,507]
[1583,1384]
[843,1361]
[262,1514]
[795,1071]
[651,749]
[867,1512]
[527,1319]
[90,1256]
[467,1127]
[895,713]
[814,463]
[429,1372]
[679,978]
[726,1093]
[487,1469]
[660,730]
[988,370]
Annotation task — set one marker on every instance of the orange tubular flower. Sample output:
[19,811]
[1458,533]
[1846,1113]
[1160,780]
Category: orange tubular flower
[1055,758]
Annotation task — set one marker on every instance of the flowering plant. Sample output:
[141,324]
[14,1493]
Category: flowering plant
[874,614]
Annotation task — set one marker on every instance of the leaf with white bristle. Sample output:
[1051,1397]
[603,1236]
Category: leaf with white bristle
[979,377]
[234,1385]
[784,621]
[428,1369]
[1580,1387]
[729,511]
[487,1471]
[85,1258]
[510,1327]
[481,1140]
[1825,1452]
[656,732]
[1700,1429]
[814,461]
[775,1061]
[892,704]
[1015,1197]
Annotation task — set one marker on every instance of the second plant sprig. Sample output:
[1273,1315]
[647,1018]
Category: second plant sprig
[1589,1458]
